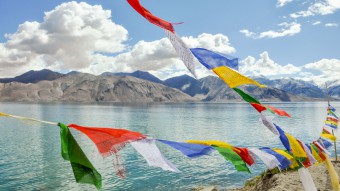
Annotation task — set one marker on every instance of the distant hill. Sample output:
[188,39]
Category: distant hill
[212,88]
[294,86]
[334,88]
[187,84]
[136,74]
[142,86]
[33,77]
[90,88]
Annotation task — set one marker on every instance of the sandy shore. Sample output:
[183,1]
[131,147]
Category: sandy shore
[286,181]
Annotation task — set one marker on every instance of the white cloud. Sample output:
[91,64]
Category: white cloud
[316,23]
[331,25]
[329,70]
[322,7]
[69,38]
[72,34]
[78,36]
[160,57]
[247,33]
[265,66]
[288,29]
[281,3]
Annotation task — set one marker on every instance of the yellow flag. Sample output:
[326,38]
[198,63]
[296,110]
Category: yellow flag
[316,156]
[294,164]
[331,122]
[328,136]
[295,147]
[211,142]
[332,173]
[233,78]
[3,114]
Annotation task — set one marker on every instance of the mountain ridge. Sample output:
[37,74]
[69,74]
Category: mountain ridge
[207,89]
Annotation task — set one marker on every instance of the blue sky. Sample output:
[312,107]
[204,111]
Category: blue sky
[278,38]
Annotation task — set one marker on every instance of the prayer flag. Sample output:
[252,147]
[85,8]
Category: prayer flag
[269,160]
[150,17]
[258,106]
[231,156]
[332,114]
[233,78]
[332,173]
[217,143]
[283,138]
[245,155]
[148,149]
[189,149]
[183,51]
[242,152]
[284,162]
[222,66]
[110,141]
[331,108]
[294,163]
[325,143]
[326,134]
[83,170]
[267,121]
[296,149]
[307,180]
[212,60]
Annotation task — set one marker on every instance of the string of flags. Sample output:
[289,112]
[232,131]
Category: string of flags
[110,141]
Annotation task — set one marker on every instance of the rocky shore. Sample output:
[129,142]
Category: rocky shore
[284,181]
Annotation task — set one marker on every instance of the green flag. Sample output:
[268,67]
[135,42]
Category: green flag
[233,157]
[83,170]
[246,97]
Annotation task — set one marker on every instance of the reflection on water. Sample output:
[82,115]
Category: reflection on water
[30,152]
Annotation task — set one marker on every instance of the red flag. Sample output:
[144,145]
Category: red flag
[307,163]
[109,141]
[279,111]
[150,17]
[245,155]
[260,108]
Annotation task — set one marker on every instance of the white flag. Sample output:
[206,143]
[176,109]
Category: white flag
[183,51]
[269,160]
[309,154]
[307,180]
[148,149]
[267,121]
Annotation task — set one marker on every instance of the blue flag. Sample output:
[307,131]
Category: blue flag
[283,138]
[213,60]
[188,149]
[284,162]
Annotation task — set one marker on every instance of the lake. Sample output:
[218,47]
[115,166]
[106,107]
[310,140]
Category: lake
[30,156]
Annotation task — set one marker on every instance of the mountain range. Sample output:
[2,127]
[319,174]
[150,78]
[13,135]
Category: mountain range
[139,86]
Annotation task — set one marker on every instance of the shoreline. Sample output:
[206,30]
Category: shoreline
[283,181]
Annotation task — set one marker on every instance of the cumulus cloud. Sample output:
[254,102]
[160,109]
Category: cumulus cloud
[160,57]
[329,70]
[82,37]
[69,38]
[265,66]
[323,7]
[331,25]
[288,29]
[281,3]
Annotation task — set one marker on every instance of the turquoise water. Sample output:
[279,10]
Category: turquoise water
[30,152]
